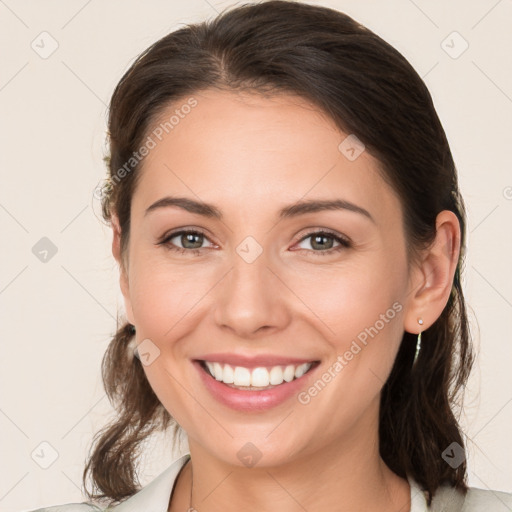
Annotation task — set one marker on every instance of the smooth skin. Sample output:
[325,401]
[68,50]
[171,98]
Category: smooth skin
[250,156]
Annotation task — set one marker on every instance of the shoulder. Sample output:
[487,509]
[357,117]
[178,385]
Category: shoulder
[154,496]
[449,499]
[487,499]
[70,507]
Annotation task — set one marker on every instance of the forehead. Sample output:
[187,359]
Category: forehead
[257,151]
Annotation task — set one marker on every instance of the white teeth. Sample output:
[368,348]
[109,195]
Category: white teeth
[210,368]
[217,371]
[228,375]
[289,373]
[276,376]
[259,377]
[301,370]
[242,376]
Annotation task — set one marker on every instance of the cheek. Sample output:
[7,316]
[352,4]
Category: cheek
[162,296]
[360,314]
[163,306]
[350,300]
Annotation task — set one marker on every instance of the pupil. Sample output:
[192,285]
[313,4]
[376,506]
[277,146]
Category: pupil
[320,239]
[189,237]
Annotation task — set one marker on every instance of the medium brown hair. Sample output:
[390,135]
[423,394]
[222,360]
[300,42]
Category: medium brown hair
[369,89]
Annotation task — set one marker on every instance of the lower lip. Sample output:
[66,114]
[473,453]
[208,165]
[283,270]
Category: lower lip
[252,400]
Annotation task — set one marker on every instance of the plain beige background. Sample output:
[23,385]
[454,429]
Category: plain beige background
[57,316]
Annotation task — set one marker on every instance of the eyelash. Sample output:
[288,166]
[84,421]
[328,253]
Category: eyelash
[344,242]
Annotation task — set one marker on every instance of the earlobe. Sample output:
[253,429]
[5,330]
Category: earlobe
[434,276]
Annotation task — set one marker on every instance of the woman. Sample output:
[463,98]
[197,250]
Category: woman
[290,234]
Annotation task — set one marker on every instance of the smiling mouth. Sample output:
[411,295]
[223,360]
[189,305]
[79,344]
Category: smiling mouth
[256,379]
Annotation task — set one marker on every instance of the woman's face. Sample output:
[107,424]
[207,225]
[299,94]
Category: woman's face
[260,289]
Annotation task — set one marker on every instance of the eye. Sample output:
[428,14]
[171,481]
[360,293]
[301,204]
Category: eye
[192,241]
[322,242]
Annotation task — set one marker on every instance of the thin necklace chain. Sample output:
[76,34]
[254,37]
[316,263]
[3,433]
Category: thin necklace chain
[190,508]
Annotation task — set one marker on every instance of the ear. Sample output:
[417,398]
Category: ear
[432,279]
[123,270]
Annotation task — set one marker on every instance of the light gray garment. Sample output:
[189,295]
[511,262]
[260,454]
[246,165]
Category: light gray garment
[154,497]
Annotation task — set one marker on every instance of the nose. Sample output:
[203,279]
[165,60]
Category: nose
[251,299]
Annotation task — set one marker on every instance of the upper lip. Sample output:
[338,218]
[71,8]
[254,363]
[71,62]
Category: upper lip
[253,361]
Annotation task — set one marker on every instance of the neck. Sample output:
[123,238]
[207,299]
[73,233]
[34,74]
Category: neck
[331,479]
[301,485]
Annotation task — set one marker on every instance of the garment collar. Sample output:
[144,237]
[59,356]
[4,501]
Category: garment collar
[154,497]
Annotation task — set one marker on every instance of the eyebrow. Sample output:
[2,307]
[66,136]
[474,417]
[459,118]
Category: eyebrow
[293,210]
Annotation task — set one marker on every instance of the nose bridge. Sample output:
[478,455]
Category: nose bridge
[249,297]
